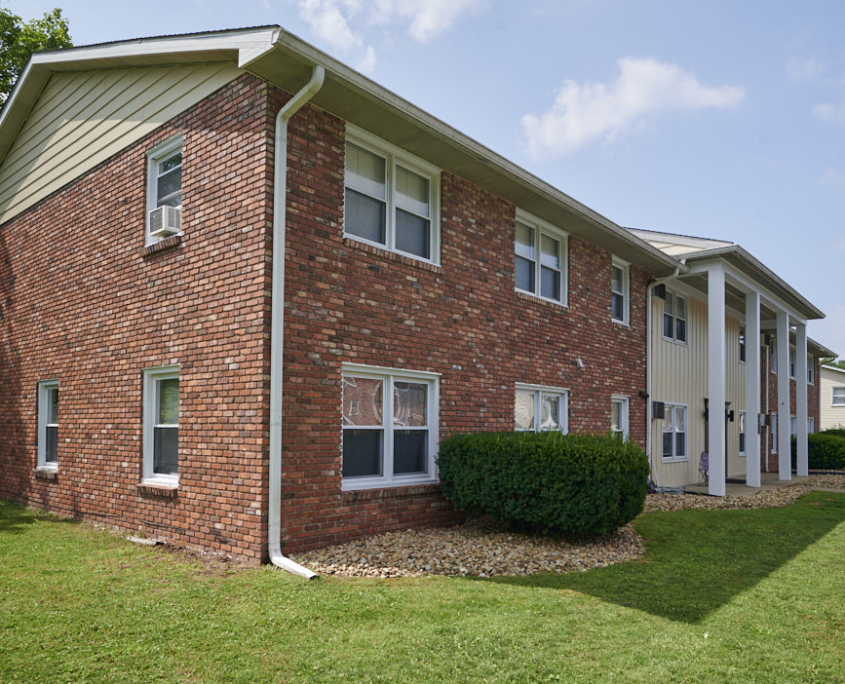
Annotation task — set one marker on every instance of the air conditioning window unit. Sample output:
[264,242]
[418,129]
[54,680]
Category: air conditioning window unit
[165,221]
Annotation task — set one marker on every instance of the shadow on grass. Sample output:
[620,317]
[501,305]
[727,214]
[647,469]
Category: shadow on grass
[14,518]
[697,561]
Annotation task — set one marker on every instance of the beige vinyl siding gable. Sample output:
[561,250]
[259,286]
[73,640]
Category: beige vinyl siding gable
[83,118]
[830,416]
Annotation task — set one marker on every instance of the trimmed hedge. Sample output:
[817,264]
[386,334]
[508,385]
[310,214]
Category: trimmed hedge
[579,484]
[825,450]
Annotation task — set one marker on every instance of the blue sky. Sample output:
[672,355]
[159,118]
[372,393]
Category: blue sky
[718,119]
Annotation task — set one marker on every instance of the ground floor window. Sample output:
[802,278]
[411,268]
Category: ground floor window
[538,408]
[773,426]
[811,425]
[48,424]
[389,420]
[161,425]
[742,433]
[675,432]
[619,417]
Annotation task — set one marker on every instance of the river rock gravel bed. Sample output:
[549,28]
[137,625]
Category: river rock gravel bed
[484,549]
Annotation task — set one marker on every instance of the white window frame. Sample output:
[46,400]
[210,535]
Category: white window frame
[675,458]
[389,376]
[811,370]
[625,293]
[833,401]
[154,156]
[792,362]
[539,391]
[624,408]
[673,338]
[811,425]
[152,376]
[44,389]
[395,156]
[743,342]
[742,427]
[773,430]
[540,229]
[793,426]
[774,356]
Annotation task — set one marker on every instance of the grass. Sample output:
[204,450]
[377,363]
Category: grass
[739,596]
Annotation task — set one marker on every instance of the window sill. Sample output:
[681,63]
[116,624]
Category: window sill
[622,324]
[683,459]
[46,473]
[672,340]
[387,254]
[158,491]
[162,245]
[354,495]
[528,297]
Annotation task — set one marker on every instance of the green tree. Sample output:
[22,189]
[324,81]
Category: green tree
[19,39]
[831,362]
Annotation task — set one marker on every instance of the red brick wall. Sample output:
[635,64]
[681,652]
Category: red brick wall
[348,302]
[82,304]
[783,421]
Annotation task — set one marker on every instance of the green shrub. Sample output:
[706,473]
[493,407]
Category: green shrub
[825,450]
[580,484]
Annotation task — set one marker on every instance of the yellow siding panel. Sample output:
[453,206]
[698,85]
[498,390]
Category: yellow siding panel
[830,416]
[679,376]
[83,118]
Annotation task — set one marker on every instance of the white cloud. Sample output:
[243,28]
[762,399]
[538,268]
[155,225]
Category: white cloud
[368,62]
[830,112]
[804,69]
[583,114]
[328,20]
[427,18]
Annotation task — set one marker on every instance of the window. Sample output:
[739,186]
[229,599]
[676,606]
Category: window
[164,190]
[540,259]
[619,417]
[792,363]
[390,198]
[774,356]
[389,422]
[811,425]
[793,426]
[161,425]
[674,433]
[675,317]
[742,344]
[742,433]
[538,409]
[48,425]
[619,292]
[838,396]
[774,429]
[811,370]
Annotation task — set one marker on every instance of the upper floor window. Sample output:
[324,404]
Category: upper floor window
[792,362]
[391,198]
[674,432]
[161,425]
[48,424]
[742,343]
[389,423]
[540,259]
[164,190]
[619,417]
[675,317]
[538,409]
[774,360]
[619,292]
[838,398]
[811,370]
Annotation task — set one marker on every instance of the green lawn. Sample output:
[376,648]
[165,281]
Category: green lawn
[734,596]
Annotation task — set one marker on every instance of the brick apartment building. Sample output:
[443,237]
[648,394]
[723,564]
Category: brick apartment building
[253,352]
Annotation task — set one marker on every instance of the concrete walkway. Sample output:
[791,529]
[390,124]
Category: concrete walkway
[767,481]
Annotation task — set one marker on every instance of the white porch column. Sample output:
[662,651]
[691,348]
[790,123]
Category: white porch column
[784,413]
[752,389]
[801,397]
[716,377]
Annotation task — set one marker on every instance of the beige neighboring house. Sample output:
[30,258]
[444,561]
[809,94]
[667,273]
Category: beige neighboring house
[832,400]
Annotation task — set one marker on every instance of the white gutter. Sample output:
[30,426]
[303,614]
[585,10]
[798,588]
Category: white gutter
[277,329]
[648,367]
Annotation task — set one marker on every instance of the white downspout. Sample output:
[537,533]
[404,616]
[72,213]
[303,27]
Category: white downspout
[648,367]
[277,328]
